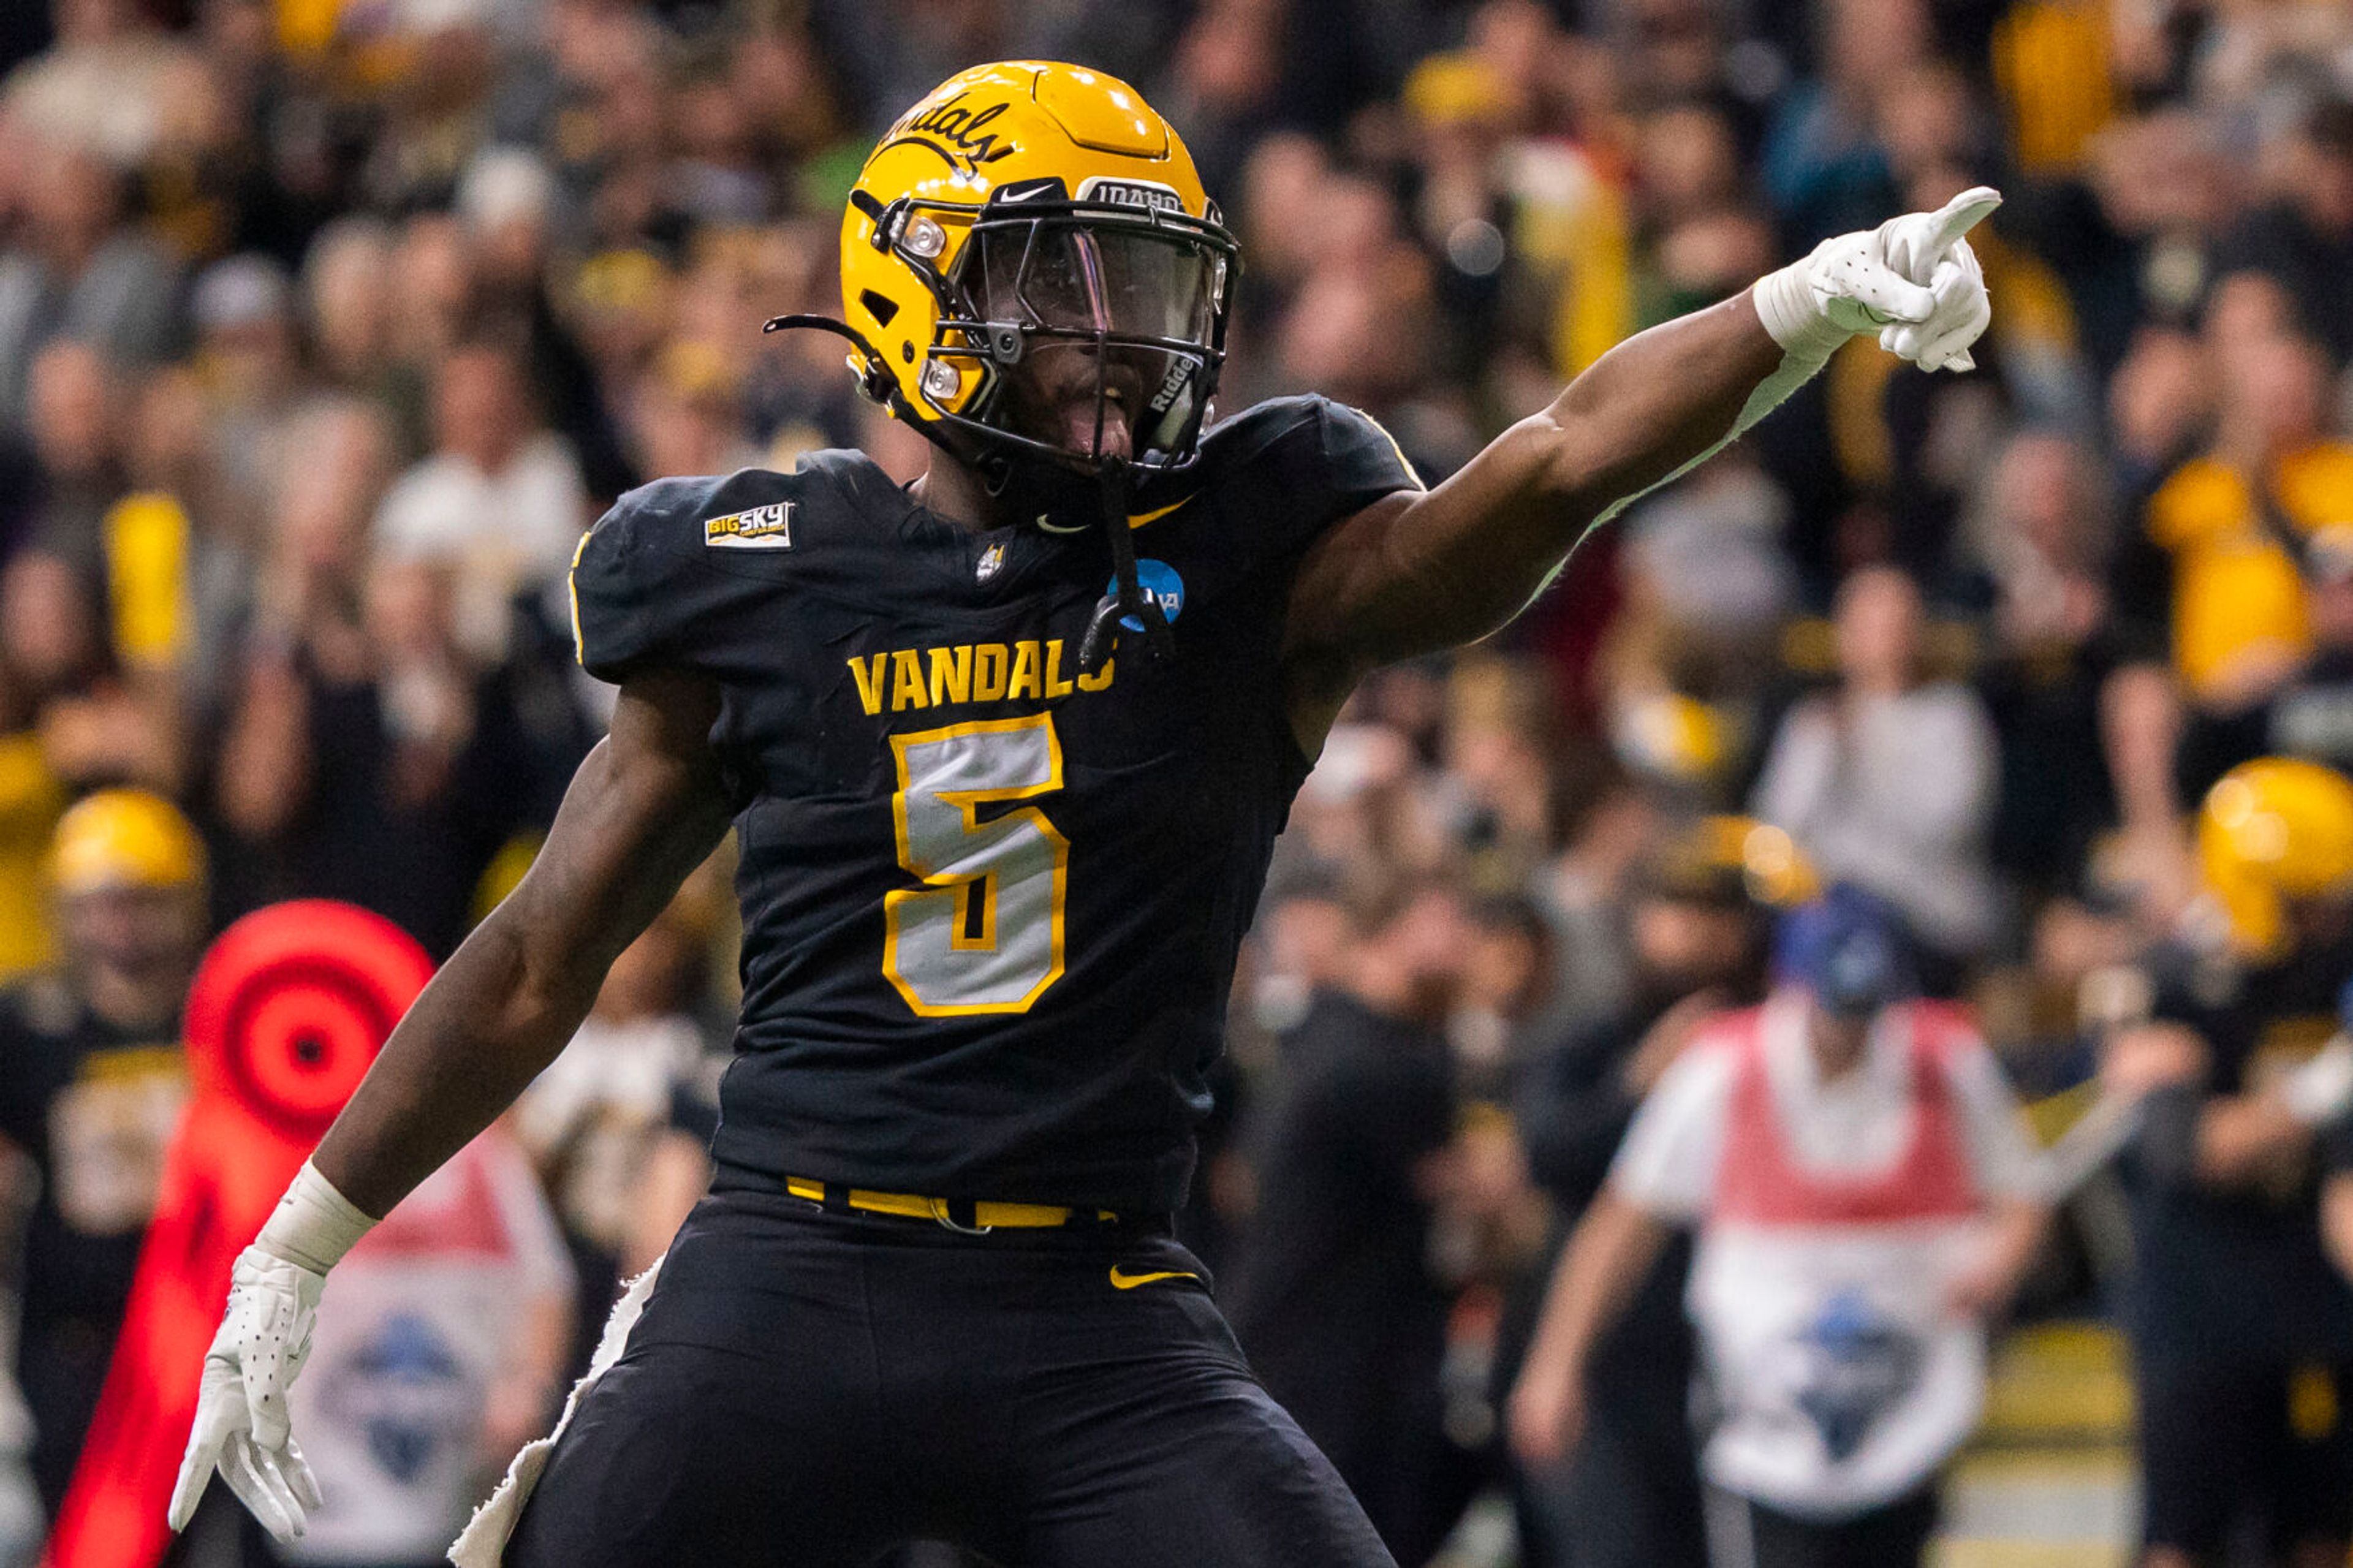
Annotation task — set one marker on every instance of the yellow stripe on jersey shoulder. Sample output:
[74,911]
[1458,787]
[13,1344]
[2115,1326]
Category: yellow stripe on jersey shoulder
[572,591]
[1403,461]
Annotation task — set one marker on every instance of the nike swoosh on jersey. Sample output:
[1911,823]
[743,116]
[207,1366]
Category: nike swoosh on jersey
[1124,1281]
[1138,519]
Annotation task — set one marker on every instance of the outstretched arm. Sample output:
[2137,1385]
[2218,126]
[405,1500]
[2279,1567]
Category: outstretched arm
[1416,572]
[645,809]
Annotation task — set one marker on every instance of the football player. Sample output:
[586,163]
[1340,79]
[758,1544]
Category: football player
[2240,1391]
[1006,750]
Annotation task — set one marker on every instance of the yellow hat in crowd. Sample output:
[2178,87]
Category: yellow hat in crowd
[123,839]
[2273,830]
[1731,860]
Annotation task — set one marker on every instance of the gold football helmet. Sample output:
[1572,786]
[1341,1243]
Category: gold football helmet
[1028,210]
[123,839]
[2273,830]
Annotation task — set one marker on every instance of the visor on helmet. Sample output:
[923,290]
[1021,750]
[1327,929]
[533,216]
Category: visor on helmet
[1140,304]
[1075,277]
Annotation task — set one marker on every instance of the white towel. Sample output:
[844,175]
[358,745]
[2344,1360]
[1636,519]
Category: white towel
[483,1543]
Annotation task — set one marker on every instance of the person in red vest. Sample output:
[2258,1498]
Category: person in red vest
[1865,1199]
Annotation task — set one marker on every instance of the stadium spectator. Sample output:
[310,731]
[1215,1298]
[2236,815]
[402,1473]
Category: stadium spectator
[2225,1186]
[500,503]
[248,363]
[74,420]
[103,88]
[1889,781]
[1864,1199]
[1825,162]
[92,1081]
[99,723]
[375,764]
[2218,562]
[347,297]
[2301,240]
[2309,713]
[1331,1296]
[2038,542]
[1631,1494]
[76,269]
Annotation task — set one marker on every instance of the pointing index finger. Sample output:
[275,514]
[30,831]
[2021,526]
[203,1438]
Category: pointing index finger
[1957,217]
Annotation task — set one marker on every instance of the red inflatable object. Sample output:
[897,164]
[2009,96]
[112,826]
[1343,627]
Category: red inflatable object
[287,1009]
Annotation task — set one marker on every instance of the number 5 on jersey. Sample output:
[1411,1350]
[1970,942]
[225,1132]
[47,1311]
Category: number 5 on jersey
[984,934]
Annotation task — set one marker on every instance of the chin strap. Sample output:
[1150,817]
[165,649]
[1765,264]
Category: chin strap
[873,379]
[1127,598]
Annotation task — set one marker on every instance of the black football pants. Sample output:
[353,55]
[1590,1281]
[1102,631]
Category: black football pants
[810,1389]
[1892,1535]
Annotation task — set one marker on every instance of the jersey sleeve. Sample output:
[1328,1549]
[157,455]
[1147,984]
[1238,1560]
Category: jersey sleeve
[1301,464]
[1668,1162]
[638,584]
[1362,460]
[1993,1128]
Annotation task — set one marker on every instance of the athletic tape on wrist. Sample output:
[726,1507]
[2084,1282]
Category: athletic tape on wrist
[1792,315]
[313,1224]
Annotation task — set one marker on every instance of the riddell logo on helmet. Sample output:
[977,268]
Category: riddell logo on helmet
[1148,195]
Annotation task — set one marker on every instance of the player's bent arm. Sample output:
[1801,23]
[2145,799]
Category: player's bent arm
[1608,1257]
[645,809]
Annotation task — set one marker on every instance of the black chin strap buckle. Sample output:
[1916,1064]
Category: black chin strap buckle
[1103,631]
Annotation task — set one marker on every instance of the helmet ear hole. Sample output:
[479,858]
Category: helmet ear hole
[881,307]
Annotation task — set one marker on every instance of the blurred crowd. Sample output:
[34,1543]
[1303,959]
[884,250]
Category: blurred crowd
[326,326]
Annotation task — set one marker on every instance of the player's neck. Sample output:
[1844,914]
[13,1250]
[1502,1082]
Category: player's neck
[954,491]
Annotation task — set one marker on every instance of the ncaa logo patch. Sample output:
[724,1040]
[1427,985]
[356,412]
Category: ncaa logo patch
[1160,582]
[762,527]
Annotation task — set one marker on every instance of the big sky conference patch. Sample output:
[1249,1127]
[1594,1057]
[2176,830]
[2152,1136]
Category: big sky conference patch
[762,527]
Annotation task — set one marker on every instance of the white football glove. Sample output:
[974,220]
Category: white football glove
[242,1427]
[1913,280]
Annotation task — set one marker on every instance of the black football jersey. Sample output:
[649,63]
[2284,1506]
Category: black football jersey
[991,904]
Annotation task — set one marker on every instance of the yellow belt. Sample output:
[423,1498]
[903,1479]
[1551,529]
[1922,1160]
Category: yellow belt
[907,1206]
